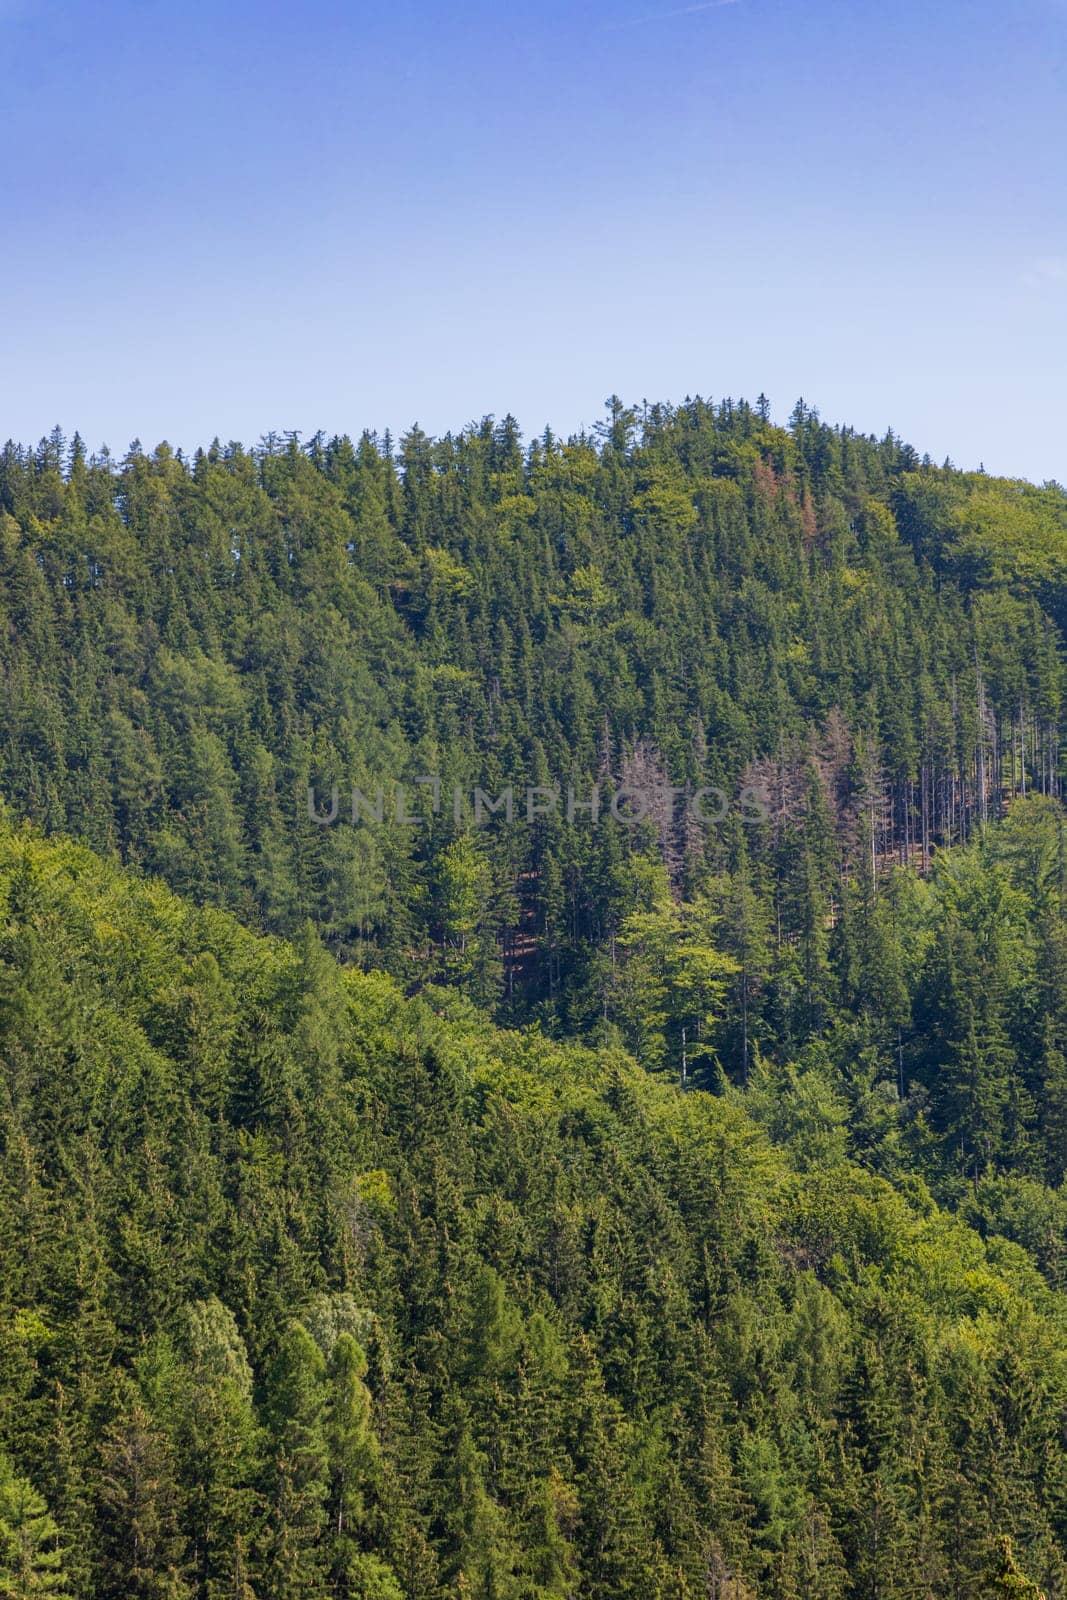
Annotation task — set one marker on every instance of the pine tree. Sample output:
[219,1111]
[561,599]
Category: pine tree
[355,1480]
[1004,1580]
[297,1481]
[144,1552]
[31,1554]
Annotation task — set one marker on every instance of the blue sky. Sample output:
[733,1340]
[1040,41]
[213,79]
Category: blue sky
[225,220]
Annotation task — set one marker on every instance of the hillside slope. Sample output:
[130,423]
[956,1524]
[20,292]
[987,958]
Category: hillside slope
[307,1289]
[693,597]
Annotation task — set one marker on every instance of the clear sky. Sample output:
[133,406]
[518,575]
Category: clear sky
[226,219]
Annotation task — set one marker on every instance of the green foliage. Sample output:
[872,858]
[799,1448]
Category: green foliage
[698,600]
[673,981]
[31,1556]
[312,1282]
[313,1290]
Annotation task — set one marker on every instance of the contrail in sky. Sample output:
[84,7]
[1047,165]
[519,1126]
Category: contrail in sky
[665,16]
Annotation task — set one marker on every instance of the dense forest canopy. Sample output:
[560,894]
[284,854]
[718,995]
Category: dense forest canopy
[554,1205]
[693,596]
[310,1290]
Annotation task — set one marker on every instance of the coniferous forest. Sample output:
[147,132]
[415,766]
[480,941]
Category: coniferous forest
[552,1201]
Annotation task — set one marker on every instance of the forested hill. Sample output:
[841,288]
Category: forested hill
[309,1290]
[312,1283]
[690,597]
